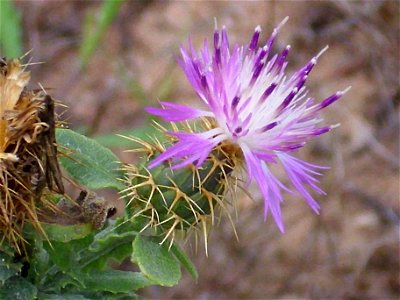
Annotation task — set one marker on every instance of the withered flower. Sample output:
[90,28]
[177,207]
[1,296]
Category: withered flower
[28,154]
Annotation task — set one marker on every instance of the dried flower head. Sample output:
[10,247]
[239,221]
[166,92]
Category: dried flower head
[258,113]
[28,162]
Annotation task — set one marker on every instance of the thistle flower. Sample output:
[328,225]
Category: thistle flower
[256,110]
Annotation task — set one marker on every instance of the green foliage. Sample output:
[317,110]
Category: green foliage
[185,261]
[10,30]
[61,267]
[18,288]
[112,243]
[113,281]
[8,268]
[155,261]
[77,262]
[61,233]
[12,285]
[44,296]
[78,267]
[94,30]
[87,162]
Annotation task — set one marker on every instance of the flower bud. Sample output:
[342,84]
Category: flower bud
[181,199]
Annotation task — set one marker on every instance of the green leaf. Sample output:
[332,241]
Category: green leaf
[185,261]
[89,163]
[114,242]
[155,261]
[66,233]
[60,233]
[10,30]
[7,267]
[93,33]
[113,281]
[120,230]
[68,255]
[99,260]
[84,295]
[39,261]
[44,296]
[18,288]
[63,258]
[58,281]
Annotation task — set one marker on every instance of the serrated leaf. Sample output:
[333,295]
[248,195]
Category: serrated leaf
[155,261]
[114,281]
[185,261]
[18,288]
[87,162]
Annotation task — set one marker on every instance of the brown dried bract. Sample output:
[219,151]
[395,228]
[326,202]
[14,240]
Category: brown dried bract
[28,153]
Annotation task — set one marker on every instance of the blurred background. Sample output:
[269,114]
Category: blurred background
[107,60]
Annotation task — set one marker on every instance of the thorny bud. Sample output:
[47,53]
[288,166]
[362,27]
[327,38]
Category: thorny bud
[172,201]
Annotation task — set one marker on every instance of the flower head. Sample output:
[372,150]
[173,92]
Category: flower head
[28,154]
[255,108]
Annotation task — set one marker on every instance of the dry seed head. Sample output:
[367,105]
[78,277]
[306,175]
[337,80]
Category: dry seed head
[12,81]
[28,162]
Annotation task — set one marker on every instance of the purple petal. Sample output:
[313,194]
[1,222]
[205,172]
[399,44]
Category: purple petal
[191,147]
[298,172]
[258,170]
[254,40]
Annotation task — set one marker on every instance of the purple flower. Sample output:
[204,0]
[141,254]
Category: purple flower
[256,107]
